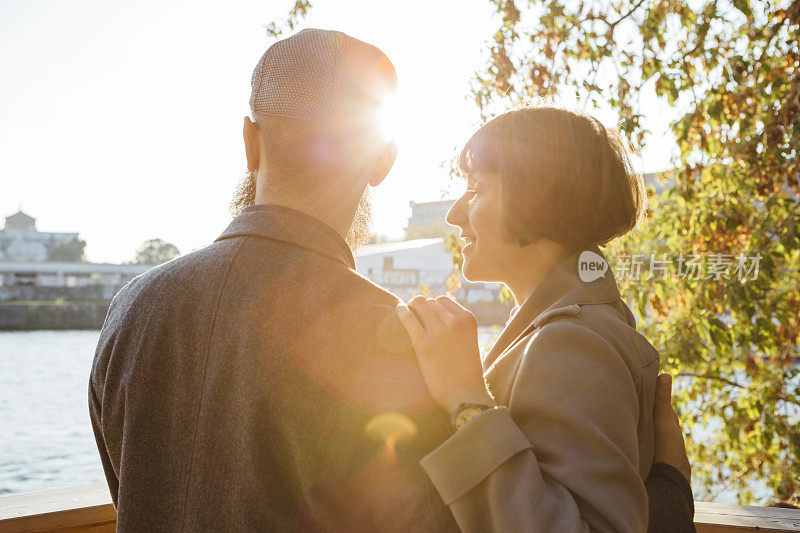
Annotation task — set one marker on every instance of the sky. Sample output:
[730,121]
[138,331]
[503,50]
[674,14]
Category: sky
[122,121]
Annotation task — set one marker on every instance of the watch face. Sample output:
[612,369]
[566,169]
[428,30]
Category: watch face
[466,415]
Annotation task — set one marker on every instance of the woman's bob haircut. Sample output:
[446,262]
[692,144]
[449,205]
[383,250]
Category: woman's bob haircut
[562,176]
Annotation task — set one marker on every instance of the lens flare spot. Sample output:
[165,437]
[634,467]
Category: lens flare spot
[391,428]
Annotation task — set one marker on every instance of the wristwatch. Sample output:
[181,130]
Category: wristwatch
[466,412]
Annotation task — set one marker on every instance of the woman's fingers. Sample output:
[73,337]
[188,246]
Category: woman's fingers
[463,316]
[670,447]
[664,391]
[446,346]
[442,313]
[451,305]
[427,316]
[410,322]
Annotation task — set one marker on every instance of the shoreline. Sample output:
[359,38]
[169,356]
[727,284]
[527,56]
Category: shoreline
[52,315]
[36,315]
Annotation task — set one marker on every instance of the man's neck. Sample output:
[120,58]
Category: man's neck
[335,210]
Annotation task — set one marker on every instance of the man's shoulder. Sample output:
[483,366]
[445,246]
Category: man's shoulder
[199,267]
[366,308]
[372,290]
[179,288]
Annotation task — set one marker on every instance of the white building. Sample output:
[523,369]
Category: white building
[427,213]
[23,280]
[27,273]
[409,267]
[404,266]
[20,241]
[428,219]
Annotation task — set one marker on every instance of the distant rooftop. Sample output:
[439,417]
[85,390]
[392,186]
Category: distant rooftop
[374,249]
[20,220]
[437,203]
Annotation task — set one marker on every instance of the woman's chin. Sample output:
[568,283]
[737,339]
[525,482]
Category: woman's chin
[471,271]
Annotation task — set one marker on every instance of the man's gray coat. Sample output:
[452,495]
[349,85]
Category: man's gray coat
[262,383]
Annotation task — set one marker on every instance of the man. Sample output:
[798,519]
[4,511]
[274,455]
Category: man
[260,383]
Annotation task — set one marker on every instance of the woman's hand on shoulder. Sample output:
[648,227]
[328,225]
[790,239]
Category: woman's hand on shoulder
[445,339]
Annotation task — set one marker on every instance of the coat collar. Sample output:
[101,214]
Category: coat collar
[560,288]
[281,223]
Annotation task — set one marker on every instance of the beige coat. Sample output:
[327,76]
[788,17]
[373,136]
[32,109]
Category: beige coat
[572,443]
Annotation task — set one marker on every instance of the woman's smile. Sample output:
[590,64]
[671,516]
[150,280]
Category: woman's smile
[468,241]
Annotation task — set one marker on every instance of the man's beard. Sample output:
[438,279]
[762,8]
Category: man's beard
[359,233]
[244,195]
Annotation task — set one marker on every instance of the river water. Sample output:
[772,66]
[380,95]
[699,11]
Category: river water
[46,439]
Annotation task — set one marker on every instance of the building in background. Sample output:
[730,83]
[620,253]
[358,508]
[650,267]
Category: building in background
[428,220]
[64,281]
[29,270]
[404,267]
[423,266]
[427,213]
[20,241]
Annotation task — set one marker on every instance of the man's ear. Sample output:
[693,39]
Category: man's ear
[252,144]
[385,164]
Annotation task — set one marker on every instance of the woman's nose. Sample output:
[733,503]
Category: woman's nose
[457,214]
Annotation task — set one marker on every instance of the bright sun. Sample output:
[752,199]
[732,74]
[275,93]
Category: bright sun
[389,117]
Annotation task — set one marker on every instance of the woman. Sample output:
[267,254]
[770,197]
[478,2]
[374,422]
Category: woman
[562,440]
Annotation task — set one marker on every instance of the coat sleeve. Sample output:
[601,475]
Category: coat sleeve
[671,501]
[563,456]
[96,418]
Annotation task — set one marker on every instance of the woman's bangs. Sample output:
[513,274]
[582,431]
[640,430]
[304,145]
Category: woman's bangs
[481,155]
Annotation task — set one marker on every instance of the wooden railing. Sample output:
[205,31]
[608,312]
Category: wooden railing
[88,508]
[84,508]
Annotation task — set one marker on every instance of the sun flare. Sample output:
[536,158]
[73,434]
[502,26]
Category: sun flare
[389,115]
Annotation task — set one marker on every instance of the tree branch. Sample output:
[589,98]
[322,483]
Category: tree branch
[630,12]
[732,383]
